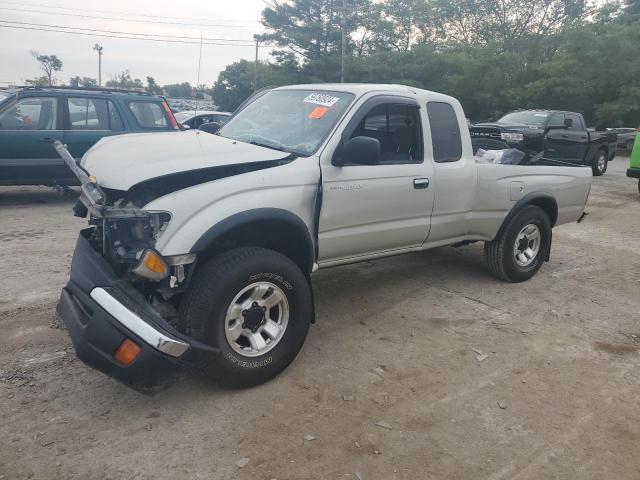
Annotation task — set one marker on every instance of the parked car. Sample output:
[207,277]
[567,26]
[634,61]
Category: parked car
[227,229]
[197,118]
[32,118]
[561,136]
[626,137]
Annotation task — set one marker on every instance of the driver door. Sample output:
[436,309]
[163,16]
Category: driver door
[372,209]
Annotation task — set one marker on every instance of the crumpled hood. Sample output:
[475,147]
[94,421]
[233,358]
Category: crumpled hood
[121,161]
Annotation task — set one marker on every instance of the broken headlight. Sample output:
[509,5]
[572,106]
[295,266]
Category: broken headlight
[126,237]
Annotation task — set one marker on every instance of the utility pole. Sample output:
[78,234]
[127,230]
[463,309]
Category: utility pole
[255,65]
[98,49]
[343,39]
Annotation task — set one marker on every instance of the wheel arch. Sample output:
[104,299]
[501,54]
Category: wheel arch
[271,228]
[545,201]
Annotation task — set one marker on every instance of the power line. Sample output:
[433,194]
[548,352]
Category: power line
[86,34]
[126,14]
[124,33]
[101,17]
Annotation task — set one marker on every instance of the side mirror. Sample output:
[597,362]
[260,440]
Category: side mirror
[359,151]
[210,127]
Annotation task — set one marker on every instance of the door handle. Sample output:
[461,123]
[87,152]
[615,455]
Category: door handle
[46,139]
[564,135]
[420,183]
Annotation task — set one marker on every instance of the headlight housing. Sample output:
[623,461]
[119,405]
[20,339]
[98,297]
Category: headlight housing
[512,137]
[127,236]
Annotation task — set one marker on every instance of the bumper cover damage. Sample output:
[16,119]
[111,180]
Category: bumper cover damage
[101,311]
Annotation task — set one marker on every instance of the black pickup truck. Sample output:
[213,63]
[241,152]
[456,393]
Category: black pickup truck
[561,136]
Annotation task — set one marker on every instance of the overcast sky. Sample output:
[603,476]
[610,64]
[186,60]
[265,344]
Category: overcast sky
[166,62]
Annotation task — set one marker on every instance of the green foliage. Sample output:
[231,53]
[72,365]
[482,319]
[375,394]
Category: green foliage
[124,80]
[152,87]
[82,82]
[178,90]
[49,64]
[493,55]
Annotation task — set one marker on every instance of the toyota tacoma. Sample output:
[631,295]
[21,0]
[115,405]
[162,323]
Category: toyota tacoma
[200,247]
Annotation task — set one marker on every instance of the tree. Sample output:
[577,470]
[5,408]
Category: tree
[235,82]
[179,90]
[124,80]
[82,82]
[48,64]
[152,87]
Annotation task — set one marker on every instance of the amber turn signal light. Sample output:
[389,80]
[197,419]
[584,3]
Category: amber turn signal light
[151,266]
[127,352]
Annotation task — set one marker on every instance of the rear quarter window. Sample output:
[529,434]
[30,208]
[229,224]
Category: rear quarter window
[149,115]
[445,132]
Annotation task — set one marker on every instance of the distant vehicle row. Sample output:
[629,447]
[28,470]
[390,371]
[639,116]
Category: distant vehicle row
[31,119]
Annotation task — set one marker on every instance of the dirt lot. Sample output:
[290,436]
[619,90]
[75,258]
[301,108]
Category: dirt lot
[474,378]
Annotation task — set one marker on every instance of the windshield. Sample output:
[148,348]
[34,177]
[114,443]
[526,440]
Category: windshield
[294,121]
[526,118]
[183,116]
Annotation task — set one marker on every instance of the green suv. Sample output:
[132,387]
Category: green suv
[32,118]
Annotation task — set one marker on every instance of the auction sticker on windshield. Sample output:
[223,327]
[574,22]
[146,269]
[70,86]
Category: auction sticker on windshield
[318,112]
[324,99]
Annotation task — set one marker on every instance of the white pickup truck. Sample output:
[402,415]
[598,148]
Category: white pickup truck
[200,247]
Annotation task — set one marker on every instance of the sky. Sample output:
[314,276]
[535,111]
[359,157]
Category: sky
[166,62]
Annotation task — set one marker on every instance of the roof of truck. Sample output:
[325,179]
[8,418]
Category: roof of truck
[362,88]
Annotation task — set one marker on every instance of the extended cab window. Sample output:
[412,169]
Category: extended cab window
[397,128]
[93,114]
[556,120]
[576,123]
[32,113]
[149,115]
[445,132]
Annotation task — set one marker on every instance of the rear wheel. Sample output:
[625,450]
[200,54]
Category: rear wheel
[254,305]
[521,247]
[600,163]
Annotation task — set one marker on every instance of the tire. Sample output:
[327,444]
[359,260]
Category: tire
[487,144]
[219,284]
[600,163]
[500,254]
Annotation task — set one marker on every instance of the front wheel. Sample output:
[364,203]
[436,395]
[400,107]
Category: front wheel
[600,163]
[255,306]
[521,247]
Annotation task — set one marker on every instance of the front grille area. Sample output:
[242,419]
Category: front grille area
[480,132]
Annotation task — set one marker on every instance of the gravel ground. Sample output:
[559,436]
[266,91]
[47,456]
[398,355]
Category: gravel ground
[420,366]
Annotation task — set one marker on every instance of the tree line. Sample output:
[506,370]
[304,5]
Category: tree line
[51,64]
[493,55]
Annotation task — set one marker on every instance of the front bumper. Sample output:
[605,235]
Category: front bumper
[101,311]
[633,172]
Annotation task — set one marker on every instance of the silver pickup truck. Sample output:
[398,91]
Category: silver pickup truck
[200,247]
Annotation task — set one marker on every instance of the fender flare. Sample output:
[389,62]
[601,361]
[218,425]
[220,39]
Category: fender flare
[257,215]
[539,199]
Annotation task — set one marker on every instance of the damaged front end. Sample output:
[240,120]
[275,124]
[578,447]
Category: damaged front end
[125,234]
[122,293]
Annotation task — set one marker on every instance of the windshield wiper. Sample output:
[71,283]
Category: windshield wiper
[267,145]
